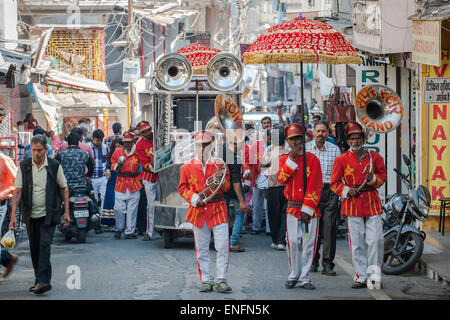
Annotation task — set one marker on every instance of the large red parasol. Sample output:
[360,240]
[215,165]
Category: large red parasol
[297,41]
[301,40]
[199,55]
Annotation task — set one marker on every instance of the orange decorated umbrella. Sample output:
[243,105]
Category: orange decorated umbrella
[297,41]
[199,56]
[301,40]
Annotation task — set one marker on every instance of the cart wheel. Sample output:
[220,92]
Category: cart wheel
[169,238]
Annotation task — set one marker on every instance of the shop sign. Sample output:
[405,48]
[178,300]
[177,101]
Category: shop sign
[438,152]
[426,38]
[436,90]
[130,71]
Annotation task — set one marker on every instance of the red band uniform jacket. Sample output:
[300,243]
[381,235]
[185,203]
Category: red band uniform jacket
[144,151]
[290,173]
[130,168]
[192,182]
[348,172]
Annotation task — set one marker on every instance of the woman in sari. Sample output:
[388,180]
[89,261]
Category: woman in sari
[108,204]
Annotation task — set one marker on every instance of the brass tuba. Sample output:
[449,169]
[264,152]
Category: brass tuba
[378,108]
[229,120]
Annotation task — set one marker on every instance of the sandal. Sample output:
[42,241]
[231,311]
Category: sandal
[290,284]
[237,248]
[308,286]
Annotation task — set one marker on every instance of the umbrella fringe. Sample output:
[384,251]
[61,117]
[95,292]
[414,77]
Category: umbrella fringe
[298,57]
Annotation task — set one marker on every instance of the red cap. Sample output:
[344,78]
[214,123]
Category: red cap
[203,136]
[143,125]
[310,133]
[128,136]
[353,127]
[293,130]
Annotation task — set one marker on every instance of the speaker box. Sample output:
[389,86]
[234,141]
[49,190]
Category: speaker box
[185,114]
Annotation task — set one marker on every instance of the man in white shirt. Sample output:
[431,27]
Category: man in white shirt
[328,205]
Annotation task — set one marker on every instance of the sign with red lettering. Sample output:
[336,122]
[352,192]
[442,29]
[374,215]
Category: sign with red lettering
[426,37]
[379,108]
[437,175]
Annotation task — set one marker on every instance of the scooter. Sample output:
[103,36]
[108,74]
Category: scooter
[82,217]
[403,241]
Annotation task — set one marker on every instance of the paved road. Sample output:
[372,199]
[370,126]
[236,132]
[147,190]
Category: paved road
[136,269]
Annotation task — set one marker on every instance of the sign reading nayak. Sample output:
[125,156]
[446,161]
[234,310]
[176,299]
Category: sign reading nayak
[436,90]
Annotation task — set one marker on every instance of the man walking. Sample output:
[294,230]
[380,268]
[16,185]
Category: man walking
[206,216]
[276,201]
[39,182]
[355,177]
[117,130]
[302,207]
[232,151]
[101,173]
[259,181]
[7,176]
[144,151]
[127,191]
[328,205]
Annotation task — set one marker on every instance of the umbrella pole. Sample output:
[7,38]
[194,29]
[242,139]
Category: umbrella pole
[303,136]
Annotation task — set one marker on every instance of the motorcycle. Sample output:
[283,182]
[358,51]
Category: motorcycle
[403,241]
[82,217]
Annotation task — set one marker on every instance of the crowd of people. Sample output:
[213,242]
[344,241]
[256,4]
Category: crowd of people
[300,198]
[264,190]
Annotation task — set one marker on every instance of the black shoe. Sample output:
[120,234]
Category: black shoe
[268,234]
[314,268]
[131,236]
[117,234]
[327,270]
[99,230]
[42,288]
[359,285]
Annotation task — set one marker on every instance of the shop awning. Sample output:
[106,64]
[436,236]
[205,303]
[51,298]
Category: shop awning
[64,79]
[163,15]
[433,10]
[8,56]
[88,100]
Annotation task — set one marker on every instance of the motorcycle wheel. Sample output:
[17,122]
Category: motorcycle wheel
[410,250]
[81,235]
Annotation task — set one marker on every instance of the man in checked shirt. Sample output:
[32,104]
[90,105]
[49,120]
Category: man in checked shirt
[328,205]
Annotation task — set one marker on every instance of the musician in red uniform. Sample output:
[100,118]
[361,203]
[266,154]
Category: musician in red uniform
[125,161]
[355,177]
[302,207]
[144,151]
[206,216]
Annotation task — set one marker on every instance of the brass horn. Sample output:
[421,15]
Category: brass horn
[173,71]
[224,71]
[378,108]
[229,120]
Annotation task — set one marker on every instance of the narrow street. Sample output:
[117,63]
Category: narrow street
[135,269]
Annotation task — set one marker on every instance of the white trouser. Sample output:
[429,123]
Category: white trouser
[125,207]
[259,203]
[202,238]
[150,192]
[365,238]
[296,237]
[99,185]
